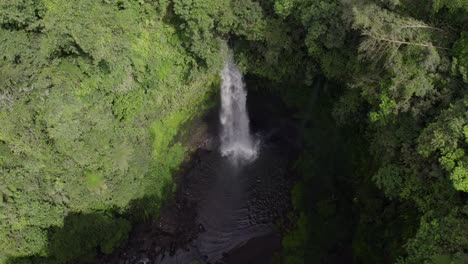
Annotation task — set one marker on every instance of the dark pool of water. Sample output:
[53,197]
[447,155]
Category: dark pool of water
[224,212]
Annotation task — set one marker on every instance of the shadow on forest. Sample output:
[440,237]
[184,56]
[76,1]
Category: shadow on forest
[84,236]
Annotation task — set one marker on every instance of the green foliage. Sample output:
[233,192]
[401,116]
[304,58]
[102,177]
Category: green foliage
[295,242]
[451,5]
[447,137]
[325,32]
[250,22]
[92,95]
[284,7]
[92,29]
[20,14]
[401,49]
[403,66]
[200,20]
[439,235]
[389,179]
[460,60]
[85,233]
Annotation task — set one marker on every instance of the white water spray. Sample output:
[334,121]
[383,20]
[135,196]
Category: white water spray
[236,140]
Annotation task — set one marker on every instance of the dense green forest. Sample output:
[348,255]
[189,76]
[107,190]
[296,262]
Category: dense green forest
[93,94]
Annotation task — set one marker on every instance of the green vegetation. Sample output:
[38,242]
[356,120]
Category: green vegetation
[93,93]
[393,175]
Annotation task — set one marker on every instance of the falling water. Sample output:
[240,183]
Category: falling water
[236,140]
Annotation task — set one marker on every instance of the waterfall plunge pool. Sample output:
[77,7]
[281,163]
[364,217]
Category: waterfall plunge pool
[223,212]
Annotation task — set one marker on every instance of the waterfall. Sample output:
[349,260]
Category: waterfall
[236,140]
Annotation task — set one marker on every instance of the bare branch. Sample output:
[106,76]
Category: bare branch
[422,26]
[428,45]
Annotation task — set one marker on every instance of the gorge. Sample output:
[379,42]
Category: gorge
[127,136]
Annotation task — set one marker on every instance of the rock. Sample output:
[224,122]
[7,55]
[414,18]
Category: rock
[143,260]
[172,249]
[157,250]
[201,228]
